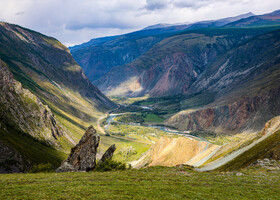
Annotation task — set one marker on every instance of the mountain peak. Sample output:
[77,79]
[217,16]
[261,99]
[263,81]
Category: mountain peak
[160,25]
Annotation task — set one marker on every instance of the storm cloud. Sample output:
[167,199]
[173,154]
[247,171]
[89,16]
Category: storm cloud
[77,21]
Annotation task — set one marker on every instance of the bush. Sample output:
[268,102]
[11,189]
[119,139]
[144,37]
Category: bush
[42,167]
[109,165]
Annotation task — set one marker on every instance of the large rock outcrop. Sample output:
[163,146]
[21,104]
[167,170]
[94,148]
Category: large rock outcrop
[108,155]
[83,155]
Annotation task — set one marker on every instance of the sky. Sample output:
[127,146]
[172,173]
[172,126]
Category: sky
[77,21]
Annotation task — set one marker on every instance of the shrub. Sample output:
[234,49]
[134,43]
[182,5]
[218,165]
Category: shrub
[42,167]
[109,165]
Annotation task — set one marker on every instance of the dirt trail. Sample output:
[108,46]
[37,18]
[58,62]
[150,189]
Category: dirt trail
[98,123]
[103,117]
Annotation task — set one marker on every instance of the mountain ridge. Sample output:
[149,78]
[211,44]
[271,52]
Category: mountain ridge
[118,50]
[46,99]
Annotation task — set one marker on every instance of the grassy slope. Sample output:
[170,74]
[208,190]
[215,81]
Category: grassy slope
[149,183]
[122,144]
[44,66]
[259,151]
[37,152]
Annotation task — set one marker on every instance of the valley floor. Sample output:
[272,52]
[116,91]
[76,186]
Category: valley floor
[148,183]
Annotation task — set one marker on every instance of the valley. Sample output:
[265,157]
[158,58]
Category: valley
[170,111]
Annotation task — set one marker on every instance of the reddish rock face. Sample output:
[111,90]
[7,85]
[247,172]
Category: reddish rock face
[249,113]
[172,76]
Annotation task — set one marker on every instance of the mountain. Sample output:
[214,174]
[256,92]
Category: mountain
[258,20]
[173,65]
[219,22]
[29,132]
[156,26]
[99,55]
[46,99]
[222,76]
[245,83]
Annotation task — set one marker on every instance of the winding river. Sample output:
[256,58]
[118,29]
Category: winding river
[168,130]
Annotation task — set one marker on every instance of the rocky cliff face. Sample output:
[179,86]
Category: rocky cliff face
[47,68]
[98,56]
[246,87]
[246,114]
[11,161]
[175,64]
[23,110]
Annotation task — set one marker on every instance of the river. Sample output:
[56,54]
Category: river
[168,130]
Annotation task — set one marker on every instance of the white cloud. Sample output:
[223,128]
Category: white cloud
[77,21]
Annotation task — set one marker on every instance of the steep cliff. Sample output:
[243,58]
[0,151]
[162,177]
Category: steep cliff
[46,100]
[172,66]
[24,111]
[98,56]
[45,67]
[29,132]
[246,114]
[246,83]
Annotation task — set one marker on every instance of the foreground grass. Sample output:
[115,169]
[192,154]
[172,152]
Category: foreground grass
[150,183]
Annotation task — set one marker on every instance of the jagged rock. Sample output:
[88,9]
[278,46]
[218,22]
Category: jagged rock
[108,154]
[83,155]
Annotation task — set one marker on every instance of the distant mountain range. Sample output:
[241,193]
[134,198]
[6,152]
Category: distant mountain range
[99,55]
[202,24]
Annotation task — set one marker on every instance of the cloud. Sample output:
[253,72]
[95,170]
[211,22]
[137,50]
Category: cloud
[157,4]
[77,21]
[19,13]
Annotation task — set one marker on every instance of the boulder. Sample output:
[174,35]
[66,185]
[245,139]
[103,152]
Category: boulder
[83,155]
[66,167]
[108,154]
